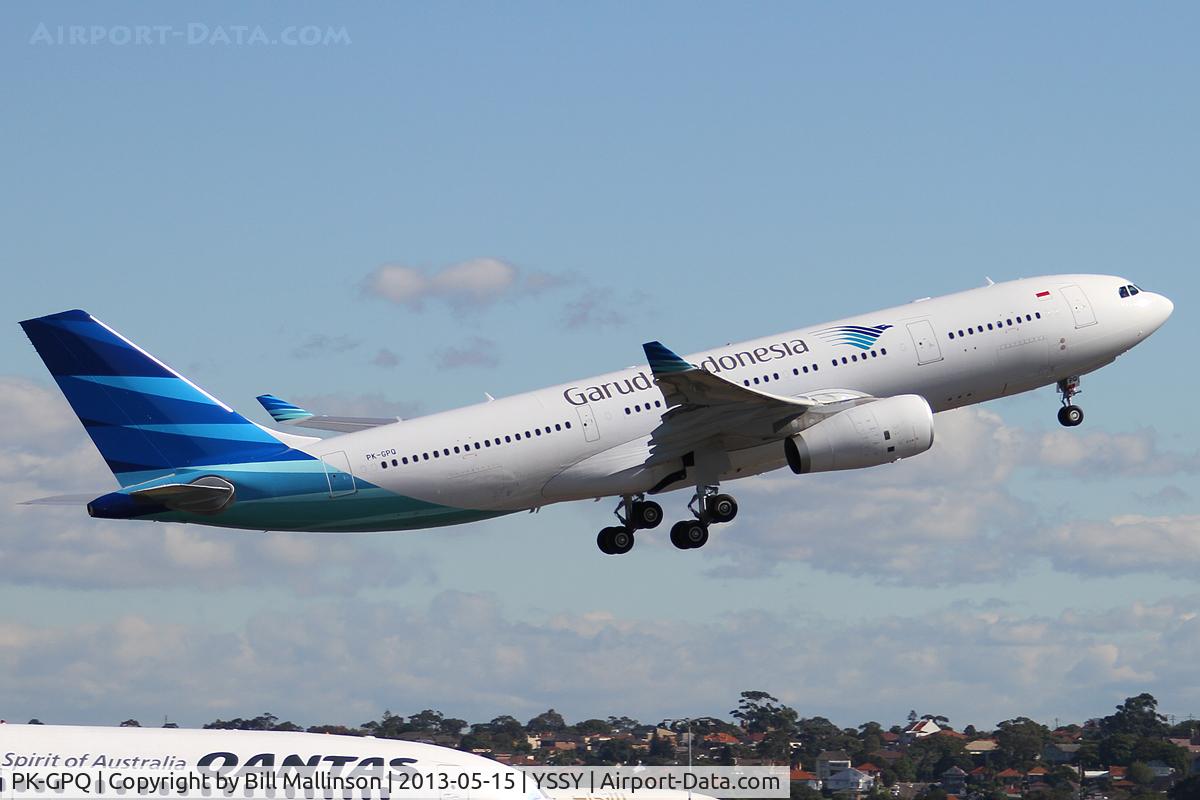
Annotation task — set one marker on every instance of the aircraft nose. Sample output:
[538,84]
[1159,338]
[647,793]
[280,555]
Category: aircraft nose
[1158,311]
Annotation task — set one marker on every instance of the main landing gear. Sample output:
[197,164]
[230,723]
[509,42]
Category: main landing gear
[634,514]
[1069,415]
[707,506]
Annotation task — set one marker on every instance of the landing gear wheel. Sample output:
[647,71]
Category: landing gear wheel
[621,541]
[646,514]
[689,534]
[1070,416]
[604,543]
[721,508]
[615,541]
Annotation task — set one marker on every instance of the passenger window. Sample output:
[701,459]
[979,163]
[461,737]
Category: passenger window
[627,411]
[538,431]
[775,376]
[405,459]
[883,351]
[1010,323]
[844,359]
[395,463]
[508,439]
[425,456]
[797,372]
[568,425]
[960,333]
[487,442]
[527,434]
[951,334]
[518,436]
[558,426]
[1037,314]
[815,367]
[456,448]
[436,454]
[806,369]
[1028,318]
[384,465]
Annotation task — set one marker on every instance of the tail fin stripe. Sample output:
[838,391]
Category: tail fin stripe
[145,418]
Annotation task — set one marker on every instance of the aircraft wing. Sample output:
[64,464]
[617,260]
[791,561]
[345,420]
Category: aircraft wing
[710,411]
[290,414]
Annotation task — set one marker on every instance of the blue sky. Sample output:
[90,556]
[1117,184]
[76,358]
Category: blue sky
[684,172]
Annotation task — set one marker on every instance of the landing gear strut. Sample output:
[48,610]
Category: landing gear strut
[709,507]
[634,514]
[1069,415]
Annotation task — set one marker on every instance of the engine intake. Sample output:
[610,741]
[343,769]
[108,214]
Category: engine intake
[874,433]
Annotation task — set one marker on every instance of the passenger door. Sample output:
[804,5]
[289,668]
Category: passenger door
[1081,308]
[925,341]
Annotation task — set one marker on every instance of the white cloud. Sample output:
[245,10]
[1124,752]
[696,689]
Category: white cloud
[1127,543]
[1099,454]
[476,352]
[477,282]
[465,655]
[320,344]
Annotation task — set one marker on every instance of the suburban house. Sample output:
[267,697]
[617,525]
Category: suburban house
[831,761]
[849,780]
[919,730]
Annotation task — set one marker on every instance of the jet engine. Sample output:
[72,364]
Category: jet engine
[874,433]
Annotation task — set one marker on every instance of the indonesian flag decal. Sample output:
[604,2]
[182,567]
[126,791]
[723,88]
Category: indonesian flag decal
[1043,295]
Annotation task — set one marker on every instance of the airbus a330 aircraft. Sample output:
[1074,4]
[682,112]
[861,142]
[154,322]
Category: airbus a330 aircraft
[851,393]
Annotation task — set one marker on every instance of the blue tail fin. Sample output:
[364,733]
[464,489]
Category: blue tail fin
[146,419]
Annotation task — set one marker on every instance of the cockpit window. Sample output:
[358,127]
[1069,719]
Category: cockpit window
[1124,291]
[1133,290]
[1129,290]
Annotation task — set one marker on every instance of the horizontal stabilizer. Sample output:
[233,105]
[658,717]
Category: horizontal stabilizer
[291,414]
[59,500]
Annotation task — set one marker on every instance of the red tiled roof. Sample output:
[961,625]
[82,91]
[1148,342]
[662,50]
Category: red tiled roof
[801,775]
[868,767]
[721,738]
[1037,771]
[1009,773]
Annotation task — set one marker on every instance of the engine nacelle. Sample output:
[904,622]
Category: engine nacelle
[874,433]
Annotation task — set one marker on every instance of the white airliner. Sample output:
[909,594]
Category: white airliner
[851,393]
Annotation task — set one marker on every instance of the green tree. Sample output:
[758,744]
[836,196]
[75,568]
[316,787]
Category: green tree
[776,746]
[1138,716]
[623,724]
[589,727]
[1021,741]
[661,750]
[549,720]
[759,712]
[933,755]
[427,721]
[614,751]
[1118,749]
[1140,774]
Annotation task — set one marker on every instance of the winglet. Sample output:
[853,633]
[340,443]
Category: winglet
[663,361]
[281,410]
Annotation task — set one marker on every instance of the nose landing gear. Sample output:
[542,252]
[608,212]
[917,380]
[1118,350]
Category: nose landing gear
[1069,415]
